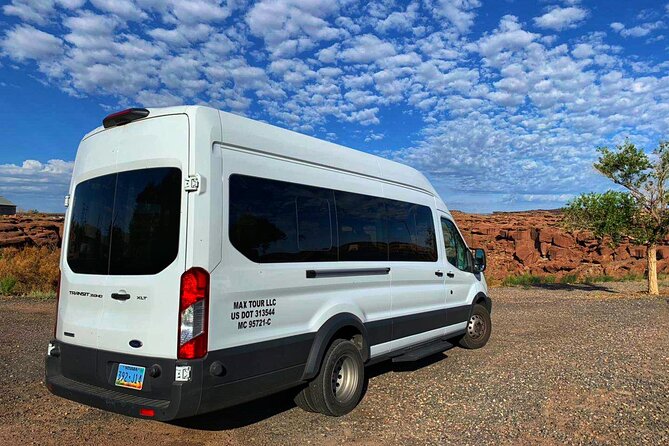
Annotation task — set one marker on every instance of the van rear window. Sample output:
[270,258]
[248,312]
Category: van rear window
[126,223]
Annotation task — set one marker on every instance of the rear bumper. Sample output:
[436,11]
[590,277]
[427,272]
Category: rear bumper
[87,376]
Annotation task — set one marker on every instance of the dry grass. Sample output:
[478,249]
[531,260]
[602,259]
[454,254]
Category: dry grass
[29,271]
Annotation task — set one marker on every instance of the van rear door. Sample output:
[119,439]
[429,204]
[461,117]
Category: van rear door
[124,248]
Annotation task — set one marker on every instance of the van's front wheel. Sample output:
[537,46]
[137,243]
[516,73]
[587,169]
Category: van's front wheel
[337,388]
[479,328]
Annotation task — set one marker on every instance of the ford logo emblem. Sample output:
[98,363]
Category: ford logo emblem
[135,343]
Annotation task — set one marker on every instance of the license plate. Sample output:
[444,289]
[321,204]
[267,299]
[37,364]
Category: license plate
[130,376]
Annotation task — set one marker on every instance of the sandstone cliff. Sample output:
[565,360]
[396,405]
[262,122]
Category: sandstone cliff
[533,242]
[31,230]
[516,243]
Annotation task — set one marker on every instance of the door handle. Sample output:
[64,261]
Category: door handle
[450,274]
[439,273]
[120,296]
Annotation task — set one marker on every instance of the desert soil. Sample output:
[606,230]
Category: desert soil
[565,365]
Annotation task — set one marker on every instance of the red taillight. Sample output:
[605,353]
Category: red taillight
[55,324]
[147,412]
[124,117]
[193,314]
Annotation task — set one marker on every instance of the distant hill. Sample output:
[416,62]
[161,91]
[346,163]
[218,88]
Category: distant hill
[530,242]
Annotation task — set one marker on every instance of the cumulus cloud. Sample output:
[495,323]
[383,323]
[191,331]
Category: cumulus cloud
[289,27]
[366,48]
[560,18]
[30,11]
[36,184]
[507,38]
[637,31]
[399,20]
[125,9]
[26,42]
[460,13]
[509,112]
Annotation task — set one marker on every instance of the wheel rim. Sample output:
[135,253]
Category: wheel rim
[344,379]
[476,327]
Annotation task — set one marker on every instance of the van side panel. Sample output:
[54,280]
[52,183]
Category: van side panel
[300,305]
[205,206]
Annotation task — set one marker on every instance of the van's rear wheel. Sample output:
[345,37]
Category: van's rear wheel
[479,328]
[338,387]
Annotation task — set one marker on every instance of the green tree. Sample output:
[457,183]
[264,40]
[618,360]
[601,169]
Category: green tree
[640,213]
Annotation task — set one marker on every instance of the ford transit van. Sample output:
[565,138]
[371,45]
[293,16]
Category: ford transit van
[209,259]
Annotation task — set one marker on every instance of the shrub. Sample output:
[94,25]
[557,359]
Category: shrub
[7,285]
[632,277]
[599,279]
[28,271]
[527,280]
[569,279]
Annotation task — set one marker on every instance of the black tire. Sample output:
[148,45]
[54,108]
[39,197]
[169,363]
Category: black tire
[337,388]
[479,328]
[302,400]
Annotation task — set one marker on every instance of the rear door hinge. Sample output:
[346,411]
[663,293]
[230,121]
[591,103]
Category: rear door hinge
[192,183]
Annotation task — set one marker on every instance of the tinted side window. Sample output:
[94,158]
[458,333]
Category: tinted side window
[425,238]
[314,228]
[457,252]
[361,225]
[411,235]
[277,221]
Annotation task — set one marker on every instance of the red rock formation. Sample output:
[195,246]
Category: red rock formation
[516,243]
[534,242]
[31,230]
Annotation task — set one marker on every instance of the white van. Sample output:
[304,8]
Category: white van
[209,259]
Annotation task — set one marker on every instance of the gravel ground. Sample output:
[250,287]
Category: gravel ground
[566,365]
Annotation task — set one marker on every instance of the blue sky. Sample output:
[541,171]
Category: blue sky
[500,103]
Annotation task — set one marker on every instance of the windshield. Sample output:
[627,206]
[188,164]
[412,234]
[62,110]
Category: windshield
[126,223]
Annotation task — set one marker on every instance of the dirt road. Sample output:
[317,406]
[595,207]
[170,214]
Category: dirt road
[569,365]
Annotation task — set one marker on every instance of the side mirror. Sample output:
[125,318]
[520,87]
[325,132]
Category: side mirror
[479,260]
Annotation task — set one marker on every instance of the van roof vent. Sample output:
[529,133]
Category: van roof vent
[124,117]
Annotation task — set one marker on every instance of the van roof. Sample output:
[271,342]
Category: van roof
[243,132]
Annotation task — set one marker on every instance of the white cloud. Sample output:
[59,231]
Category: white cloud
[460,13]
[637,31]
[26,42]
[583,50]
[91,31]
[399,20]
[560,18]
[35,184]
[373,136]
[198,11]
[289,27]
[534,104]
[508,37]
[617,26]
[30,11]
[125,9]
[71,4]
[365,49]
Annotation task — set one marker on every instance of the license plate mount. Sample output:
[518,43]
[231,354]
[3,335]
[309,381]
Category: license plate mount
[130,376]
